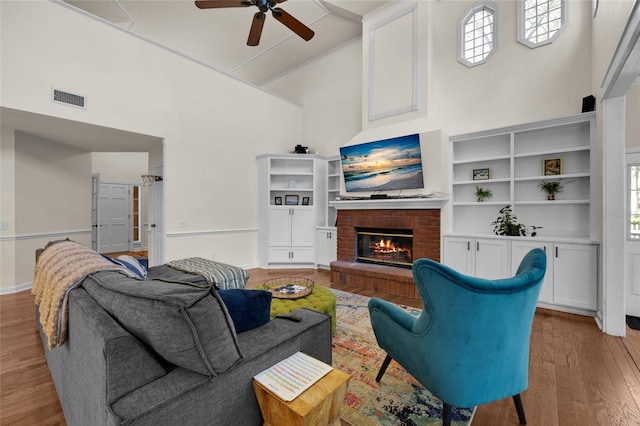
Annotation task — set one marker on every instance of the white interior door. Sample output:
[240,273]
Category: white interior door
[114,222]
[95,212]
[156,254]
[632,243]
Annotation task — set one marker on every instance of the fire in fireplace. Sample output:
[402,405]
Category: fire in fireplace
[392,247]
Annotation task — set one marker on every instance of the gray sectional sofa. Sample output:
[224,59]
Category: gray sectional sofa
[154,352]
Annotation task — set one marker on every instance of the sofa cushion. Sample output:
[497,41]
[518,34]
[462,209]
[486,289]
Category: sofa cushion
[248,308]
[187,326]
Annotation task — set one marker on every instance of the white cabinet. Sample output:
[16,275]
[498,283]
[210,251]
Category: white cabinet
[292,204]
[575,273]
[513,158]
[511,161]
[570,281]
[291,235]
[326,246]
[479,257]
[333,188]
[571,277]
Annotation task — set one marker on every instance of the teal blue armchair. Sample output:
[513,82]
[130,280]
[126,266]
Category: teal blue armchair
[470,343]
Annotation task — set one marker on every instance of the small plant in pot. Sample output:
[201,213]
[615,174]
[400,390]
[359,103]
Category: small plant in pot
[507,224]
[483,193]
[552,188]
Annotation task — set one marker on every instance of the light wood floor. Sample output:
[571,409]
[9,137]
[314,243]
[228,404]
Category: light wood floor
[578,375]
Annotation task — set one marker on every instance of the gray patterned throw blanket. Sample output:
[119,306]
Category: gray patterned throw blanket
[220,275]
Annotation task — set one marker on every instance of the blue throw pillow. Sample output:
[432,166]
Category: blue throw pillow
[248,308]
[132,264]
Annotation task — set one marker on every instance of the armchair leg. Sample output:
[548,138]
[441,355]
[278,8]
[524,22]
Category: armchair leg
[520,409]
[385,364]
[446,414]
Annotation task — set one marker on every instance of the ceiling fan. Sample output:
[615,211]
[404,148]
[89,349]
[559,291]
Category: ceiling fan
[258,19]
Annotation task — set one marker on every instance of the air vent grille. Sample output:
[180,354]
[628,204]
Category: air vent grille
[68,98]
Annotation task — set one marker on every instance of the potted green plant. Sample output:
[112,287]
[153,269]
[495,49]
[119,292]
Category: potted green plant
[551,188]
[507,224]
[482,193]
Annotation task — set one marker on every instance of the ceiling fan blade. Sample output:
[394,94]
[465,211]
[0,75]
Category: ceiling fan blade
[256,29]
[293,24]
[210,4]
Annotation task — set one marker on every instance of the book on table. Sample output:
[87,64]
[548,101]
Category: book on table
[292,376]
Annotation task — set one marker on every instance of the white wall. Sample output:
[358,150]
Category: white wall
[120,166]
[48,187]
[330,92]
[7,207]
[205,118]
[517,84]
[632,131]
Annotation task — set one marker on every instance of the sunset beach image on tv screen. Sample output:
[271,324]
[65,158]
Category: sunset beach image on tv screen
[388,164]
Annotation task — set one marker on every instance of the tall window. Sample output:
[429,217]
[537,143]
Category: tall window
[477,32]
[540,21]
[634,202]
[136,235]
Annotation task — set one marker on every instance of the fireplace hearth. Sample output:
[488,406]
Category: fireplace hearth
[419,218]
[393,247]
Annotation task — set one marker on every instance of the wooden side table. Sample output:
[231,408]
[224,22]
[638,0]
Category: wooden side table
[318,405]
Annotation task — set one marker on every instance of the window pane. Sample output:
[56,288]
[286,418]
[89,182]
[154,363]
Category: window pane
[634,200]
[478,27]
[541,20]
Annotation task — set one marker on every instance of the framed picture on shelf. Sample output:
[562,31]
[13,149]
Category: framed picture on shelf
[305,201]
[552,166]
[481,174]
[278,201]
[291,200]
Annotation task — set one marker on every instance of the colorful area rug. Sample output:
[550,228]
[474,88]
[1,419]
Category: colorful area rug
[398,399]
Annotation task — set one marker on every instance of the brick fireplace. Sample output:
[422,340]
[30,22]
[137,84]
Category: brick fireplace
[420,215]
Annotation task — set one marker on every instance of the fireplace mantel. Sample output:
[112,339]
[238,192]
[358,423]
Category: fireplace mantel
[390,203]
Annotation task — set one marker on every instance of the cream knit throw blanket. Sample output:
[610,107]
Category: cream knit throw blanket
[61,267]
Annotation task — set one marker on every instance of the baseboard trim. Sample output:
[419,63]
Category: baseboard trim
[16,289]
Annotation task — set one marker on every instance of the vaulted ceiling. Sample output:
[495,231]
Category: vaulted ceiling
[218,37]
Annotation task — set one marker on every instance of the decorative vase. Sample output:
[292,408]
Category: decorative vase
[480,199]
[551,197]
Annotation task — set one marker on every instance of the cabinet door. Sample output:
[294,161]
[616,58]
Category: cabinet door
[322,247]
[302,255]
[492,259]
[302,228]
[333,246]
[458,254]
[326,247]
[575,275]
[279,255]
[519,250]
[280,226]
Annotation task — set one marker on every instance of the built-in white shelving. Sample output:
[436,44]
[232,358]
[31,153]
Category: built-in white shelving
[514,157]
[293,194]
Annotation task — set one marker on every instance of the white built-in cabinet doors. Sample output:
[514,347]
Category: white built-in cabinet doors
[571,275]
[326,246]
[572,268]
[478,257]
[291,236]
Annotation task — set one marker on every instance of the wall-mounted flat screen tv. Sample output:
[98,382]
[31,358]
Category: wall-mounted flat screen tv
[388,164]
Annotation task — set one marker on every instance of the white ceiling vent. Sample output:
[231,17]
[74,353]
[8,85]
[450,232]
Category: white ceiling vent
[67,98]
